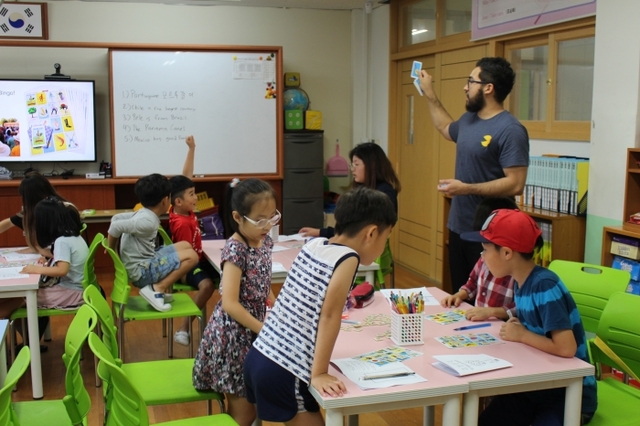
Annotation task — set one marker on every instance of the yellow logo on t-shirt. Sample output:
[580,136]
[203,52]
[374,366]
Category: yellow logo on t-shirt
[486,141]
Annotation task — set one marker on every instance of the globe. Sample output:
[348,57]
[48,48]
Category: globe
[295,98]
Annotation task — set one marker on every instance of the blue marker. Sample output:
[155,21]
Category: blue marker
[471,327]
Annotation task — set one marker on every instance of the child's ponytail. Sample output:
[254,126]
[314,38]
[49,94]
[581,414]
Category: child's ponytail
[230,225]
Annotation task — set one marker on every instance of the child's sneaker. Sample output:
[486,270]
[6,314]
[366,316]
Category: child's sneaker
[181,337]
[168,297]
[155,298]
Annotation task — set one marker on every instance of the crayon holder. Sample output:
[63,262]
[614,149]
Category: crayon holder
[407,329]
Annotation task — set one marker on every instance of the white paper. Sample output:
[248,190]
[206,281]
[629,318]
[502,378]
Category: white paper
[429,300]
[294,237]
[277,248]
[356,370]
[463,365]
[12,256]
[12,273]
[277,267]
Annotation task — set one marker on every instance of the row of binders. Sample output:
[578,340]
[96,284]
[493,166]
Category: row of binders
[558,184]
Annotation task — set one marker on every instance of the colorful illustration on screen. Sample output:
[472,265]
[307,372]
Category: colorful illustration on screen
[52,124]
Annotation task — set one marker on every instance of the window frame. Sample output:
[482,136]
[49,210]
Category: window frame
[551,128]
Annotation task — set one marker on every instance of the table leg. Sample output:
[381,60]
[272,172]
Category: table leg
[573,403]
[428,416]
[451,411]
[471,406]
[34,344]
[369,276]
[333,418]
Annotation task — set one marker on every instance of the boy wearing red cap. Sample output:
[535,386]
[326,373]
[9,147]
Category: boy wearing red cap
[547,319]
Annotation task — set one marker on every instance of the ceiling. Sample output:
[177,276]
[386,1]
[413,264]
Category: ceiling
[287,4]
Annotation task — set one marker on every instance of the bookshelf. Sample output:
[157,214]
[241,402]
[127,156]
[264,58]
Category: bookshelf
[567,238]
[632,190]
[631,206]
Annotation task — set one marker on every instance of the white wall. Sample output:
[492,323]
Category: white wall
[615,119]
[316,43]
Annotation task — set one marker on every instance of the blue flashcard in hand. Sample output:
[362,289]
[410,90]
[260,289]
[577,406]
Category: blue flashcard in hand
[416,83]
[415,69]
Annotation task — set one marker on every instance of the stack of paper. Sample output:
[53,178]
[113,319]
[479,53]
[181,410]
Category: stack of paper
[463,365]
[371,376]
[277,267]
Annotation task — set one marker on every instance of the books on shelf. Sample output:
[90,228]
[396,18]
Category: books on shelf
[558,184]
[464,365]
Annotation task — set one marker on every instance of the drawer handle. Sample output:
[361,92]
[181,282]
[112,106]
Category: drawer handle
[303,142]
[303,172]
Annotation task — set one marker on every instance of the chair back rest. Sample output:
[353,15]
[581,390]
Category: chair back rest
[19,366]
[166,239]
[121,288]
[77,400]
[127,406]
[620,330]
[590,286]
[386,259]
[94,299]
[90,278]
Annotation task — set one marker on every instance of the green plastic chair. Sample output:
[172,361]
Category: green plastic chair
[128,407]
[17,370]
[618,403]
[385,261]
[74,408]
[130,308]
[590,286]
[88,280]
[172,388]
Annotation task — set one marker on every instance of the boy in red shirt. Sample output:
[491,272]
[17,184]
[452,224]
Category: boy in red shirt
[184,226]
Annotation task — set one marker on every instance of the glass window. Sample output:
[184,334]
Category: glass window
[553,93]
[418,22]
[529,94]
[457,17]
[575,79]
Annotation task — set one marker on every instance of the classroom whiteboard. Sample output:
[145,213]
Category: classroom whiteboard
[226,100]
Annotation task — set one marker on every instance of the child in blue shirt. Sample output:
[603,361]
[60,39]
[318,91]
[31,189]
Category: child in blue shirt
[548,319]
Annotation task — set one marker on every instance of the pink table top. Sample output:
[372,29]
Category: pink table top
[529,365]
[28,282]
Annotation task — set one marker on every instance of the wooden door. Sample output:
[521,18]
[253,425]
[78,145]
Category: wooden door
[417,173]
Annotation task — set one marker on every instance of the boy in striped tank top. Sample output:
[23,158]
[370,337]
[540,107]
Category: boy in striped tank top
[293,349]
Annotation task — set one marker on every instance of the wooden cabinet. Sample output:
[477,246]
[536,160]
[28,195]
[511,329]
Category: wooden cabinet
[608,232]
[632,190]
[631,206]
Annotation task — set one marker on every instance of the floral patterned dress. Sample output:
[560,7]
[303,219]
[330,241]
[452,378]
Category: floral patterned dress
[225,343]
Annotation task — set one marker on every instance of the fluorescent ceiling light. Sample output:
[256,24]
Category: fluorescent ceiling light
[414,32]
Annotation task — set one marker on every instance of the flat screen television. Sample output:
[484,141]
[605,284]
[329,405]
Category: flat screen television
[47,120]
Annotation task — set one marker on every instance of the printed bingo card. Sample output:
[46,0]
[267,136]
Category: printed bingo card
[468,340]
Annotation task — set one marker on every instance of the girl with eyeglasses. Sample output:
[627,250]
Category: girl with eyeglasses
[245,288]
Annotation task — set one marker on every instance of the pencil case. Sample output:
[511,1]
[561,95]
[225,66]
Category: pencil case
[363,294]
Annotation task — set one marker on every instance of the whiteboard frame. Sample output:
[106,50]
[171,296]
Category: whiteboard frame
[279,174]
